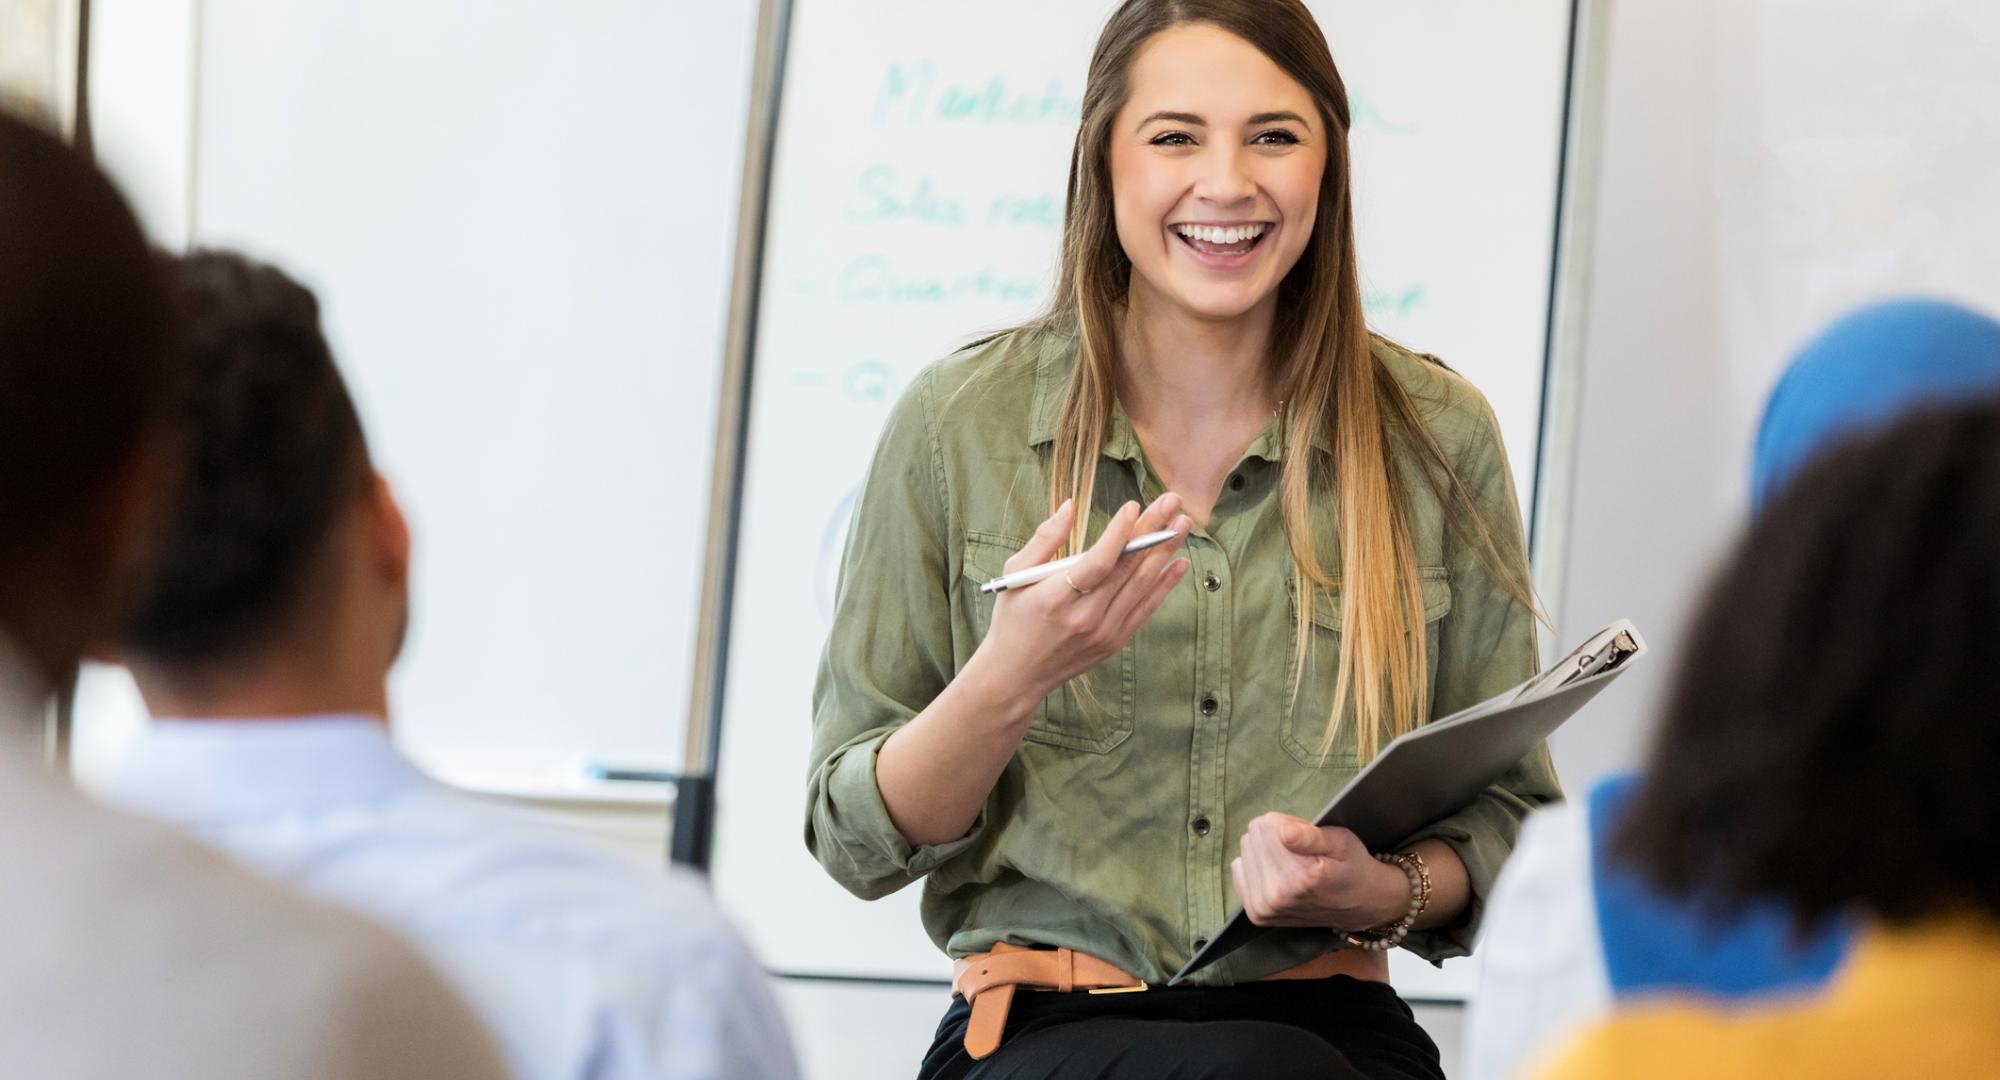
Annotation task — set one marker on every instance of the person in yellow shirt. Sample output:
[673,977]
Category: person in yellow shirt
[1922,1001]
[1831,746]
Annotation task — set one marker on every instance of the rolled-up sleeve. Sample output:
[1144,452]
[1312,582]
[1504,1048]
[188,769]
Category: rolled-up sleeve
[1486,645]
[887,656]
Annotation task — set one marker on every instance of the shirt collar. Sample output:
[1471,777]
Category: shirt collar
[1052,372]
[1270,442]
[211,772]
[1052,368]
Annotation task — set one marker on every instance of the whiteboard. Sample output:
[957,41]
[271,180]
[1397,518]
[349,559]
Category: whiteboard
[916,199]
[1850,166]
[520,222]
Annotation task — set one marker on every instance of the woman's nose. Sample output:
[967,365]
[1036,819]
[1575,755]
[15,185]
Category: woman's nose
[1224,178]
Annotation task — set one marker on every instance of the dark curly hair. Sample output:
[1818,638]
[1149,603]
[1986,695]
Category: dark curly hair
[275,455]
[1832,741]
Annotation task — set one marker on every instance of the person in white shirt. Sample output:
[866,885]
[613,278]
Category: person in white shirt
[263,649]
[127,949]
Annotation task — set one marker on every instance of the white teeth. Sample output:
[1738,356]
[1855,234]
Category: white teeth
[1213,234]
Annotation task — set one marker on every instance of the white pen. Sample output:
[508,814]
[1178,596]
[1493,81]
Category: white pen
[1050,569]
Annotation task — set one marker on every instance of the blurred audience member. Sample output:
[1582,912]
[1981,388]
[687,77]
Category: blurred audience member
[130,951]
[1571,928]
[263,648]
[1831,746]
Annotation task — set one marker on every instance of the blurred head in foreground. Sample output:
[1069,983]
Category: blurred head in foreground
[89,355]
[1831,742]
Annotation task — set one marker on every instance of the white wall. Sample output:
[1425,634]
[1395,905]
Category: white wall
[1763,166]
[1648,439]
[142,89]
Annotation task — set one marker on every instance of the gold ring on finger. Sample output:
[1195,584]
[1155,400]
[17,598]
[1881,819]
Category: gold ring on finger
[1080,590]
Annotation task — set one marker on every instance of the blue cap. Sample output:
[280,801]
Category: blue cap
[1866,371]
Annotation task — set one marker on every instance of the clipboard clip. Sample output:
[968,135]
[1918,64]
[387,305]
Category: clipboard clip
[1615,652]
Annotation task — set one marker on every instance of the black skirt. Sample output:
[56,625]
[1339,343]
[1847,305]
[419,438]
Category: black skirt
[1321,1028]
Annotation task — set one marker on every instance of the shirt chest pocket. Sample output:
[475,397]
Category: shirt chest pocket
[1094,712]
[1308,711]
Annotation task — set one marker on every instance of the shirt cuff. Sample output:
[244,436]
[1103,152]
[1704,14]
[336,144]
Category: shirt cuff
[865,829]
[1482,850]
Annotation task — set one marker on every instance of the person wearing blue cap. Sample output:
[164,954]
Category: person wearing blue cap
[1572,931]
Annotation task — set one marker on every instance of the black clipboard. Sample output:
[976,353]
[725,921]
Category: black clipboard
[1429,773]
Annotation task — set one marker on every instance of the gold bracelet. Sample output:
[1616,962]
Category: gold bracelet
[1389,935]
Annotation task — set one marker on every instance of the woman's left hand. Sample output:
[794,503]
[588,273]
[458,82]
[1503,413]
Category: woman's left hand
[1294,873]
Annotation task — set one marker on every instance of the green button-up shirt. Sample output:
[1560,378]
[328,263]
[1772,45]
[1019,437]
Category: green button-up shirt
[1113,828]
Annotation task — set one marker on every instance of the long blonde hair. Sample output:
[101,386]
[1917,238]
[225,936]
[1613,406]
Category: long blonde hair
[1327,373]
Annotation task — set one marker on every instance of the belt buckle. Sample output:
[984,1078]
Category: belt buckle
[1139,989]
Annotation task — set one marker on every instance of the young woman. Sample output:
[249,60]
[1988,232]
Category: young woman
[1830,746]
[1092,772]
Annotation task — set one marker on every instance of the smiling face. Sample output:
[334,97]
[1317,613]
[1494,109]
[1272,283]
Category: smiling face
[1216,160]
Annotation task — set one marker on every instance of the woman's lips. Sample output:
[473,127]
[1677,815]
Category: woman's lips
[1214,256]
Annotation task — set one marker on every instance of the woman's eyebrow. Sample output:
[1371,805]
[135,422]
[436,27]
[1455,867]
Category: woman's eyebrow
[1195,121]
[1273,117]
[1176,117]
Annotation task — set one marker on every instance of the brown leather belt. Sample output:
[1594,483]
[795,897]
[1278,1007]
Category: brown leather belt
[987,981]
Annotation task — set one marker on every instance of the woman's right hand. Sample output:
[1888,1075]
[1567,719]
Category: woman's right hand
[1045,634]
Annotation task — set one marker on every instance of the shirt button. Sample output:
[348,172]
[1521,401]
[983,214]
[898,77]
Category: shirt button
[1209,705]
[1201,826]
[1211,582]
[1236,481]
[1200,943]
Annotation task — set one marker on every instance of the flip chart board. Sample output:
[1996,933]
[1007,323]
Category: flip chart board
[920,163]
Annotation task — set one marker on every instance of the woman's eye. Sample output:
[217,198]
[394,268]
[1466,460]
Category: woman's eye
[1276,137]
[1173,138]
